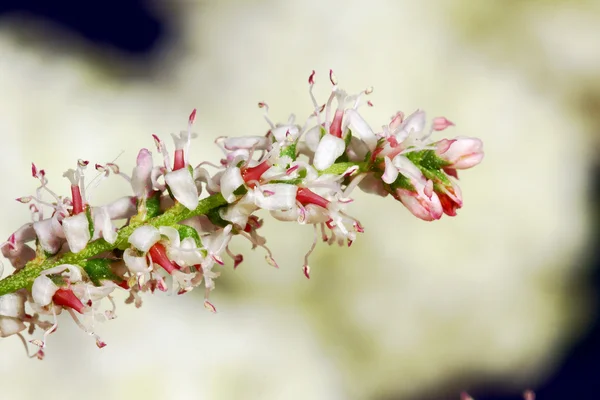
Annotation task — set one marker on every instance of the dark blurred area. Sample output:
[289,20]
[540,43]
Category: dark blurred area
[132,29]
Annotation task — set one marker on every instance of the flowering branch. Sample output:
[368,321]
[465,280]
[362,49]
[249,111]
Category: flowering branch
[176,214]
[73,255]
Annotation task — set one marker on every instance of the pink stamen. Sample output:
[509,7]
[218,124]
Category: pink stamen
[192,117]
[292,169]
[179,162]
[66,298]
[77,200]
[159,256]
[250,174]
[332,78]
[34,170]
[336,125]
[306,270]
[311,78]
[305,196]
[238,259]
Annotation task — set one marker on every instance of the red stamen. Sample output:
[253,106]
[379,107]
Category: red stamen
[254,173]
[123,284]
[311,78]
[336,125]
[77,200]
[179,160]
[192,117]
[159,256]
[305,196]
[66,298]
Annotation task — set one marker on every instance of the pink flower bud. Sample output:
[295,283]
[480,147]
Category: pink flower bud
[427,209]
[441,123]
[462,153]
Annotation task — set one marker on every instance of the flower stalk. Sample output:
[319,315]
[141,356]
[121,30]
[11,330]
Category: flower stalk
[180,220]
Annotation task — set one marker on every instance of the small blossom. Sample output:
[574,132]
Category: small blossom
[462,153]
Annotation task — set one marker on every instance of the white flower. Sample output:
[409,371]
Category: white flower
[184,253]
[44,288]
[144,237]
[329,149]
[276,196]
[230,181]
[182,186]
[77,231]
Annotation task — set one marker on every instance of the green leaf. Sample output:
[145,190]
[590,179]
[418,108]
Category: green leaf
[187,231]
[289,151]
[153,206]
[98,270]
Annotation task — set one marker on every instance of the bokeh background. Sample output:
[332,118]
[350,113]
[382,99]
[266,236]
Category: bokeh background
[497,300]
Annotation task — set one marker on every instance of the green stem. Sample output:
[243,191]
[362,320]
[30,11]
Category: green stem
[25,277]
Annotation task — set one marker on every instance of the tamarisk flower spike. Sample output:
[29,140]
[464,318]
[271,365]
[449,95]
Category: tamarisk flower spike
[177,223]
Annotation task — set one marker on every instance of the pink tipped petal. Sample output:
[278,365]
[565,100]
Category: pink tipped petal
[141,178]
[441,123]
[429,189]
[443,145]
[396,121]
[463,153]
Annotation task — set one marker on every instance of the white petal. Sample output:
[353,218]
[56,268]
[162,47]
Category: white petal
[124,207]
[144,237]
[361,129]
[282,132]
[329,149]
[141,181]
[187,254]
[183,187]
[12,305]
[239,212]
[73,272]
[286,215]
[391,172]
[170,233]
[42,290]
[134,263]
[410,170]
[10,326]
[93,293]
[414,123]
[103,226]
[77,231]
[276,196]
[48,239]
[230,181]
[312,138]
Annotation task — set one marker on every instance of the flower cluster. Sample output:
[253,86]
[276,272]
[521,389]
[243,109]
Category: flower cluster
[173,233]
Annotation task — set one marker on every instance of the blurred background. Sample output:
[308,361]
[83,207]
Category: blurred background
[501,298]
